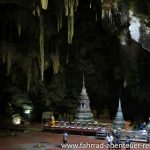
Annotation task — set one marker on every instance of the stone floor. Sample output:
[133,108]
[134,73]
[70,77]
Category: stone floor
[36,140]
[40,141]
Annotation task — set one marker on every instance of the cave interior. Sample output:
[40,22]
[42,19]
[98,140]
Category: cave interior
[46,46]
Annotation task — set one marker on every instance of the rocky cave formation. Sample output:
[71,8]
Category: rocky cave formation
[47,45]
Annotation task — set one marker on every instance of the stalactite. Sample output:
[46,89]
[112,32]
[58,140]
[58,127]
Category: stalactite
[55,60]
[60,17]
[90,5]
[59,22]
[33,12]
[103,13]
[70,29]
[115,4]
[76,3]
[9,61]
[41,42]
[38,10]
[66,7]
[109,14]
[96,17]
[3,57]
[70,8]
[29,75]
[19,29]
[70,21]
[44,4]
[125,84]
[107,6]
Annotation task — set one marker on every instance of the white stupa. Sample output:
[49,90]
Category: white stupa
[83,113]
[119,119]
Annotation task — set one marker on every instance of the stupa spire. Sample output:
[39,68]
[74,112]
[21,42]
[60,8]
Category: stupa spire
[83,81]
[119,119]
[119,107]
[83,92]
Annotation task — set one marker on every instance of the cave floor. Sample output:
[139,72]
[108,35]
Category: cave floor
[37,140]
[40,141]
